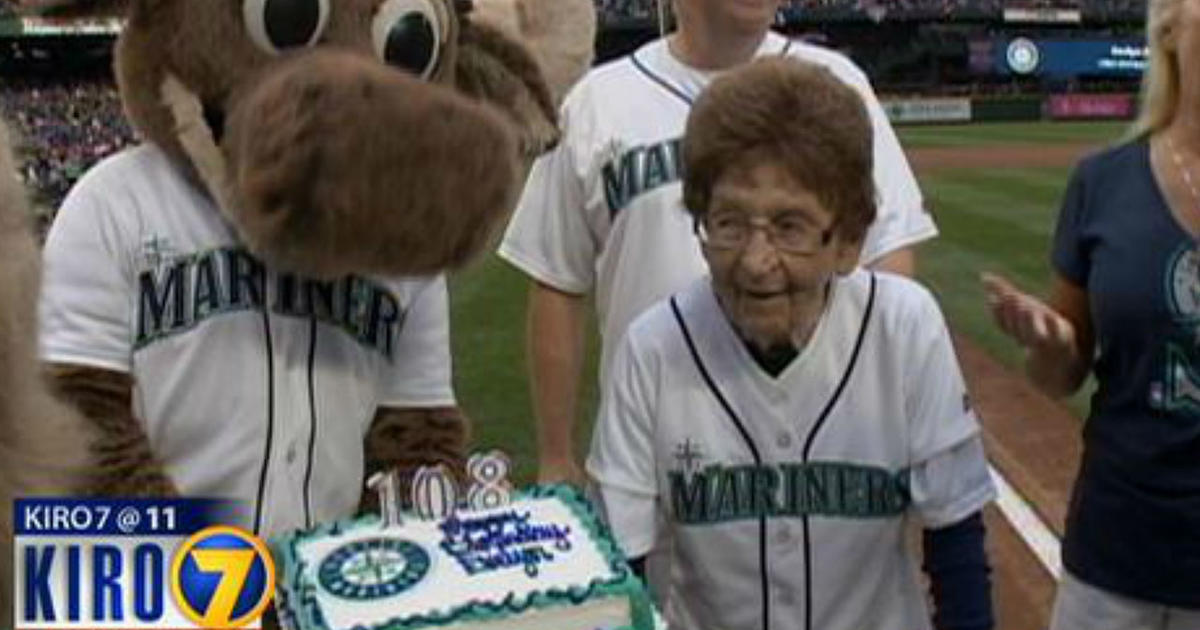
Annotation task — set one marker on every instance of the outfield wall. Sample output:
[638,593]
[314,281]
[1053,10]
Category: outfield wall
[915,111]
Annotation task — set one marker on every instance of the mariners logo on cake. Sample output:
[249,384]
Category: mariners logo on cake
[373,568]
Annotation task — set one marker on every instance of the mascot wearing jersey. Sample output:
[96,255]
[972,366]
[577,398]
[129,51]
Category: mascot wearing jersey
[250,303]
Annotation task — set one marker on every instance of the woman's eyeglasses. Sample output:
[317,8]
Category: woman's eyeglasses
[791,232]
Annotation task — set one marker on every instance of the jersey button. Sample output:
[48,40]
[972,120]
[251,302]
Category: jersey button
[784,440]
[291,454]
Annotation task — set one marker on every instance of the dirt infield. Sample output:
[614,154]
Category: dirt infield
[998,156]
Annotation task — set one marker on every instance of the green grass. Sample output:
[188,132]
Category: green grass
[989,221]
[487,304]
[998,220]
[984,134]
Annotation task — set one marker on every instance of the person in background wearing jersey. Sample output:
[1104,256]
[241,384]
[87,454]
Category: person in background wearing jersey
[601,214]
[773,428]
[1124,305]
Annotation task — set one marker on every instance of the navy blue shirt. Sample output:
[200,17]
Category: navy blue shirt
[1134,520]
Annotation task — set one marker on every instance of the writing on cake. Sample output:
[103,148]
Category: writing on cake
[502,540]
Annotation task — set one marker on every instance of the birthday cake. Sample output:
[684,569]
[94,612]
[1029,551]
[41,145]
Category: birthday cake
[541,562]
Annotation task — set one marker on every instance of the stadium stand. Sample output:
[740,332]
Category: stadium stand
[58,90]
[628,13]
[64,127]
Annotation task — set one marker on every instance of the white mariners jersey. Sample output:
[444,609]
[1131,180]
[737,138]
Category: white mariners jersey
[604,210]
[251,384]
[781,503]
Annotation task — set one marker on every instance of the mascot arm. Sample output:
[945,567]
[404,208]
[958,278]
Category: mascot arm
[124,463]
[406,439]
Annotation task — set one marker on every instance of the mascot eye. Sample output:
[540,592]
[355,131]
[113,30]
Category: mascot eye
[409,34]
[277,25]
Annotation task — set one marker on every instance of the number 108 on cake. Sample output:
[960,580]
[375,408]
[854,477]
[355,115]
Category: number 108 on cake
[111,564]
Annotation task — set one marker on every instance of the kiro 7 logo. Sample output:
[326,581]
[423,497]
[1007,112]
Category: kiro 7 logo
[243,589]
[134,564]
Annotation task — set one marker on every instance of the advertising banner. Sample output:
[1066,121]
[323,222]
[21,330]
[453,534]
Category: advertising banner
[41,26]
[1043,15]
[1072,58]
[928,110]
[1083,106]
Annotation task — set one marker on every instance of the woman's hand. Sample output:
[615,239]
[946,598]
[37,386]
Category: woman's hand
[1028,320]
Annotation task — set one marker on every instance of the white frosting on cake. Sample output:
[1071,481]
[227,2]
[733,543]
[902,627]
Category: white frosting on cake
[369,576]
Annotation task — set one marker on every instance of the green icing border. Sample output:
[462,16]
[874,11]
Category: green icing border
[302,605]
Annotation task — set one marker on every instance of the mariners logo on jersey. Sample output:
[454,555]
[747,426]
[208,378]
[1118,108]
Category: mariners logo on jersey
[719,493]
[633,172]
[156,250]
[689,455]
[1180,388]
[177,292]
[373,569]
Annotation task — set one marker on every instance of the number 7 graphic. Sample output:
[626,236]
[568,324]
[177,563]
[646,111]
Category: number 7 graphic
[245,578]
[233,565]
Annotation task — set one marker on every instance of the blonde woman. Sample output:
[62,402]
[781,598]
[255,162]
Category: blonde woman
[1125,306]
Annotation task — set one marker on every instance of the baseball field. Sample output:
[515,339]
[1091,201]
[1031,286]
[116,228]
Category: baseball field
[994,189]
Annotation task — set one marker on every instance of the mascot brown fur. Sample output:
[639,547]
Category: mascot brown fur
[327,160]
[41,439]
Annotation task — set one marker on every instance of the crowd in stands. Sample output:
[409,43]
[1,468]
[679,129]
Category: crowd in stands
[63,127]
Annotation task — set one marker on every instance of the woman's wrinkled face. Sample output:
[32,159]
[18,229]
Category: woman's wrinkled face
[773,249]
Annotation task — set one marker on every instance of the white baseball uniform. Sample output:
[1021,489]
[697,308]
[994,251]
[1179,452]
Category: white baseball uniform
[781,502]
[604,210]
[250,384]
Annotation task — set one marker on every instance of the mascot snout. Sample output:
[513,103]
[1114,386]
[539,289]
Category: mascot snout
[338,164]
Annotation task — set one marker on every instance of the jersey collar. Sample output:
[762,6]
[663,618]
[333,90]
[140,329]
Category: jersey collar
[659,65]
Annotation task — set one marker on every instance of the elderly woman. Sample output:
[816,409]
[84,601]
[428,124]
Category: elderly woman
[769,432]
[1125,306]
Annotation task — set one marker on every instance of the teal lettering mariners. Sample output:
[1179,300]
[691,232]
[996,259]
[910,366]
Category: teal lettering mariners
[177,295]
[717,494]
[640,170]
